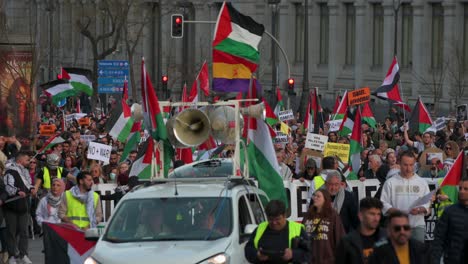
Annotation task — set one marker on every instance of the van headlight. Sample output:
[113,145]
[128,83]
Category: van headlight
[221,258]
[90,260]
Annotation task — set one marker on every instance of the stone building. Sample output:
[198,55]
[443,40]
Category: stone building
[351,43]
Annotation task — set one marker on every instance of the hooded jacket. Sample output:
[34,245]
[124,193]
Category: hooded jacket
[349,250]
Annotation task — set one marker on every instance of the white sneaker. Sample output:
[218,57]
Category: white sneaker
[12,260]
[26,260]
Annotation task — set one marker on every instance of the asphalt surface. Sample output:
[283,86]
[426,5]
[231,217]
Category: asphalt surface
[35,251]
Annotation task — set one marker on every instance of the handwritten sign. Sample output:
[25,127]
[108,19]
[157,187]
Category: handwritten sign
[88,138]
[315,141]
[97,151]
[335,125]
[286,115]
[359,96]
[337,149]
[47,130]
[85,121]
[280,138]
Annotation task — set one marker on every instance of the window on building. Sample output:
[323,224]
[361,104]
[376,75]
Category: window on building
[299,35]
[437,35]
[324,25]
[350,33]
[406,35]
[465,36]
[377,41]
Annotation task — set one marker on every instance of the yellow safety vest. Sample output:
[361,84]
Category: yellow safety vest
[46,176]
[294,231]
[76,210]
[318,182]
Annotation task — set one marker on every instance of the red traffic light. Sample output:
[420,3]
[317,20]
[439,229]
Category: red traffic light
[178,20]
[165,79]
[291,81]
[177,26]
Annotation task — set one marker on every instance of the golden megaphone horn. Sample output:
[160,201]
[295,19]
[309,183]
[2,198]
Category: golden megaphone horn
[189,128]
[223,123]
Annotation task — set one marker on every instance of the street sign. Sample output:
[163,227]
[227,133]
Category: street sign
[111,76]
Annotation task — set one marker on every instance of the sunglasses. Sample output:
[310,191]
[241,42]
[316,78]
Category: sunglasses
[32,162]
[399,228]
[448,148]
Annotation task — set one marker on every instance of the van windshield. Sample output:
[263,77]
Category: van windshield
[167,219]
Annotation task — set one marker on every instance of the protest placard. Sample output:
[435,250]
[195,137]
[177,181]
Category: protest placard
[47,130]
[316,141]
[337,149]
[97,151]
[286,115]
[359,96]
[88,138]
[335,125]
[280,138]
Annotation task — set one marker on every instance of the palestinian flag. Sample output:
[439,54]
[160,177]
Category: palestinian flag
[154,118]
[262,161]
[337,104]
[270,117]
[132,140]
[348,122]
[142,167]
[279,105]
[80,79]
[368,116]
[52,141]
[339,113]
[58,90]
[235,50]
[64,244]
[123,126]
[389,88]
[420,119]
[355,147]
[451,180]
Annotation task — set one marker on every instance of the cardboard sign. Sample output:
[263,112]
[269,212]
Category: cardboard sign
[47,130]
[334,125]
[286,115]
[337,149]
[359,96]
[84,121]
[97,151]
[315,141]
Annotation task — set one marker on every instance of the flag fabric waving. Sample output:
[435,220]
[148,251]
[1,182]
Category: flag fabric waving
[64,244]
[52,141]
[355,147]
[389,88]
[279,105]
[123,126]
[204,79]
[132,140]
[348,122]
[142,166]
[339,113]
[235,50]
[368,116]
[80,79]
[420,119]
[58,90]
[451,180]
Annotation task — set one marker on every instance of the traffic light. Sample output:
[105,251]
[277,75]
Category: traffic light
[177,26]
[291,84]
[164,80]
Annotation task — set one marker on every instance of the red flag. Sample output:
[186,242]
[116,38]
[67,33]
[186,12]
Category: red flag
[337,103]
[204,79]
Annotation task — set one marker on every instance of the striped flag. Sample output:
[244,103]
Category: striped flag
[79,78]
[52,141]
[58,90]
[142,166]
[355,143]
[420,119]
[279,105]
[368,116]
[235,50]
[123,125]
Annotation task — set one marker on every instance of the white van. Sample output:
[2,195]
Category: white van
[205,220]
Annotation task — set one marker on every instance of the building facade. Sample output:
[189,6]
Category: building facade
[350,43]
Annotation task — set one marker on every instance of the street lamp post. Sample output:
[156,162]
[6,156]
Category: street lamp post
[274,18]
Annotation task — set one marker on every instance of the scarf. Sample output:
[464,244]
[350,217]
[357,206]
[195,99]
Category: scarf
[88,199]
[339,199]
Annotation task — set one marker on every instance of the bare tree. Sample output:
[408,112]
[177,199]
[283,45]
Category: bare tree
[434,83]
[116,14]
[456,70]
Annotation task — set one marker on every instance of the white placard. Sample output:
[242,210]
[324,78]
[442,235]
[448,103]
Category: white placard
[280,137]
[97,151]
[335,125]
[316,141]
[286,115]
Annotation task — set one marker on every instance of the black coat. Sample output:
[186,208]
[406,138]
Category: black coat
[349,212]
[385,253]
[349,250]
[450,234]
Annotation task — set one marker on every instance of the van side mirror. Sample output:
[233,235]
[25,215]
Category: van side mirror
[249,229]
[92,234]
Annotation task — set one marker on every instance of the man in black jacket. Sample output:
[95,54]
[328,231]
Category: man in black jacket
[451,231]
[399,248]
[356,247]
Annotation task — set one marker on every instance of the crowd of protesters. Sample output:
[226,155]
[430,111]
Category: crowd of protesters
[339,229]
